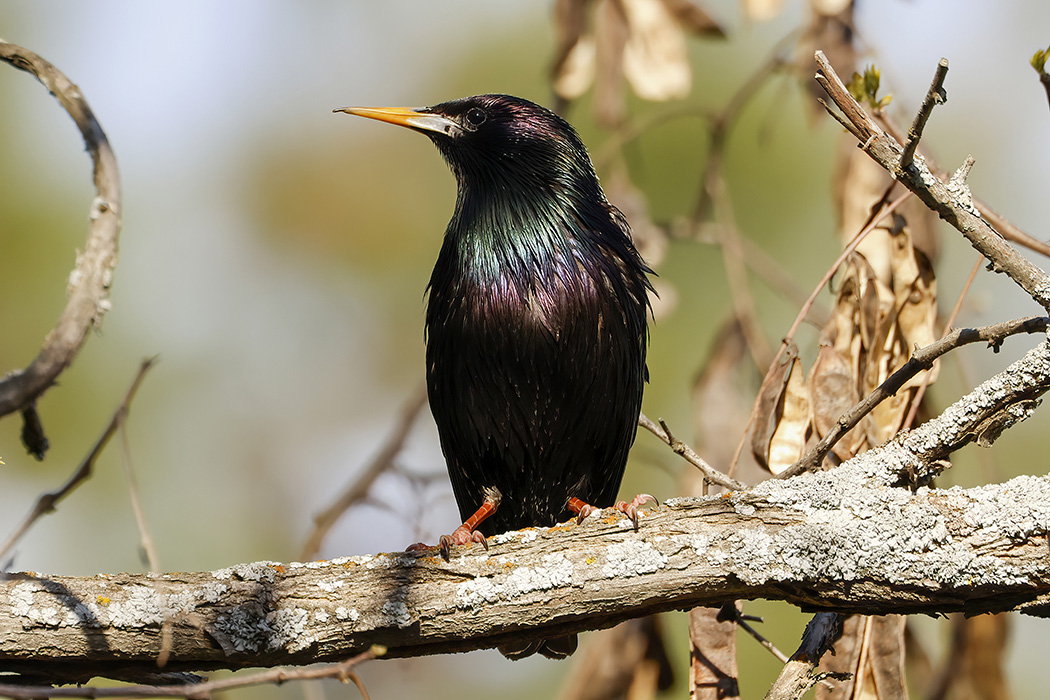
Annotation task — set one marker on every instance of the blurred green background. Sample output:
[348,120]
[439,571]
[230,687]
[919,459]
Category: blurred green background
[275,255]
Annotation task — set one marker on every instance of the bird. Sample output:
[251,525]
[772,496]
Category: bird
[536,324]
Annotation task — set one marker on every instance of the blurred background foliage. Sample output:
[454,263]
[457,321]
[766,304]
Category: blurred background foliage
[275,255]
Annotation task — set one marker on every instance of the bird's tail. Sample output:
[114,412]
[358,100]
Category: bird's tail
[557,648]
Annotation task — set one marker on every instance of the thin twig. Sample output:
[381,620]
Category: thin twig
[921,360]
[765,643]
[145,539]
[357,490]
[48,501]
[688,454]
[342,671]
[936,95]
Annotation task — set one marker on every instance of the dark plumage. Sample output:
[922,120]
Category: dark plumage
[536,318]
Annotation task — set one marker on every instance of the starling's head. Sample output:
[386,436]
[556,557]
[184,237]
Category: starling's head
[497,138]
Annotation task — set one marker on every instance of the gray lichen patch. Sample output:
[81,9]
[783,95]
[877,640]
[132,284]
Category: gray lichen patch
[855,529]
[632,557]
[126,606]
[259,571]
[555,571]
[248,630]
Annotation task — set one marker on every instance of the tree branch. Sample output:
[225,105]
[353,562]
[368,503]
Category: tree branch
[89,282]
[950,200]
[843,540]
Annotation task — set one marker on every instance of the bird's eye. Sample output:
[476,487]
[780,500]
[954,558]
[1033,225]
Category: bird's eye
[476,117]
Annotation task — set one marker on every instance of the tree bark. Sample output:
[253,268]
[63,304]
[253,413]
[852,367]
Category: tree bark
[842,540]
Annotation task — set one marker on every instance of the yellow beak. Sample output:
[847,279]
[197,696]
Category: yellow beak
[420,120]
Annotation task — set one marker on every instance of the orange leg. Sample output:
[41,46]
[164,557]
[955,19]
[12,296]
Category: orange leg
[583,509]
[466,533]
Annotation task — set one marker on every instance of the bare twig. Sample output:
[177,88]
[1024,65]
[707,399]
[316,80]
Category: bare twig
[1000,223]
[48,501]
[957,210]
[688,454]
[357,490]
[88,287]
[936,95]
[731,611]
[145,539]
[342,671]
[923,359]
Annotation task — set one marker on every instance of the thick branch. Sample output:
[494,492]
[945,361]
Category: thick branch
[845,540]
[839,541]
[89,282]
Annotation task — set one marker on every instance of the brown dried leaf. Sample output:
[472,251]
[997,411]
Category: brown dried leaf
[693,19]
[841,328]
[833,391]
[767,417]
[712,644]
[905,268]
[860,183]
[655,57]
[917,314]
[789,439]
[573,69]
[575,73]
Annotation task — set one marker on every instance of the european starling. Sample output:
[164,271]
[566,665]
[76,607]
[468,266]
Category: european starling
[535,324]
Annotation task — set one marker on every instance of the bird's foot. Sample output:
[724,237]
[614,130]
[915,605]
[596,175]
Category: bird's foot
[631,509]
[465,533]
[581,508]
[461,535]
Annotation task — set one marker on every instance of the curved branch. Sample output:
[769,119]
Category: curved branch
[89,282]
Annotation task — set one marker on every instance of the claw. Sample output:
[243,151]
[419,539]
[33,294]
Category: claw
[631,509]
[465,533]
[581,508]
[445,543]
